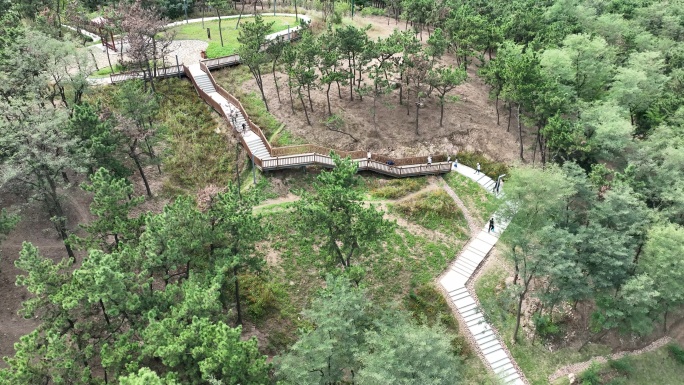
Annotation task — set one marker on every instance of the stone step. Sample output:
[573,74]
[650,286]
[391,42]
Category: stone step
[497,359]
[465,308]
[457,296]
[475,321]
[465,302]
[463,266]
[486,336]
[505,368]
[510,377]
[491,348]
[464,271]
[468,262]
[490,338]
[461,289]
[489,344]
[472,316]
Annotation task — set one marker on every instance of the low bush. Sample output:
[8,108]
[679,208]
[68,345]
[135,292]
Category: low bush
[623,365]
[591,376]
[545,327]
[428,306]
[434,210]
[373,11]
[677,352]
[397,188]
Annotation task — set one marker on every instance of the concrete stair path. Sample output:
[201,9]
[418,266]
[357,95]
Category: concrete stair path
[254,142]
[454,283]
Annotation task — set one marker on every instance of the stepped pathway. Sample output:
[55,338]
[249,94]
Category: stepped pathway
[254,143]
[490,345]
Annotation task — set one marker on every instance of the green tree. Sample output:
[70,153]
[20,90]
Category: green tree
[532,209]
[404,353]
[327,353]
[252,38]
[144,376]
[639,83]
[584,64]
[112,205]
[445,79]
[337,217]
[200,349]
[37,154]
[663,263]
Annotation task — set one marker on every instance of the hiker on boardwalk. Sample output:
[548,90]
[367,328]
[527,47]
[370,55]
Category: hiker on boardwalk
[244,129]
[368,155]
[455,162]
[478,169]
[491,225]
[449,159]
[234,116]
[429,159]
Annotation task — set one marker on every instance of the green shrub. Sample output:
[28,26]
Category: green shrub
[372,11]
[260,296]
[617,381]
[434,210]
[397,188]
[545,326]
[676,351]
[490,168]
[428,306]
[591,376]
[623,365]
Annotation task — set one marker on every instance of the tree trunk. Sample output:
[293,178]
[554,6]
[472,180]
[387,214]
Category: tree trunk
[55,211]
[275,80]
[510,115]
[301,99]
[237,295]
[220,30]
[135,158]
[240,16]
[441,110]
[308,94]
[521,297]
[296,12]
[327,96]
[104,312]
[520,132]
[417,115]
[497,108]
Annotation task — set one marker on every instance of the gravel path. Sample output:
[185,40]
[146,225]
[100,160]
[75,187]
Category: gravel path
[188,52]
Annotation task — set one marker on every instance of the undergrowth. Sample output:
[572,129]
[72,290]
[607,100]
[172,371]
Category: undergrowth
[434,210]
[397,188]
[196,155]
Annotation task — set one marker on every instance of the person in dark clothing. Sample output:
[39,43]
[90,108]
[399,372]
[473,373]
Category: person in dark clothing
[244,129]
[491,225]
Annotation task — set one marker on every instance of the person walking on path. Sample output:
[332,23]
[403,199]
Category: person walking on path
[244,129]
[449,159]
[429,159]
[478,169]
[455,162]
[233,117]
[368,155]
[491,225]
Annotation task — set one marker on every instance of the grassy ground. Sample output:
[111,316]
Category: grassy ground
[434,210]
[396,188]
[479,202]
[232,79]
[536,361]
[195,31]
[196,155]
[656,367]
[400,271]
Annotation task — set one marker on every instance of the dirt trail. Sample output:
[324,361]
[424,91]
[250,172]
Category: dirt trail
[472,225]
[582,366]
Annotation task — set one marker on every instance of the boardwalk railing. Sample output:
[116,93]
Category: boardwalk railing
[163,72]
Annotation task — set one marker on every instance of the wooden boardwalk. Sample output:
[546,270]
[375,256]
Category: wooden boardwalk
[268,158]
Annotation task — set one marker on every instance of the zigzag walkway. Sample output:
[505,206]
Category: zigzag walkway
[454,282]
[268,158]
